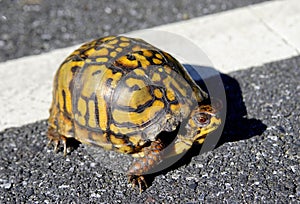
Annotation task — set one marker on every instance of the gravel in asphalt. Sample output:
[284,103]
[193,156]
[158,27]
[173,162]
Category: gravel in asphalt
[257,159]
[33,26]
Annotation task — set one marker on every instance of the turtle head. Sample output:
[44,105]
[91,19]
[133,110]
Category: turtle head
[203,120]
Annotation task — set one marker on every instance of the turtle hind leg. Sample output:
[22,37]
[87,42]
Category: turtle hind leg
[153,155]
[56,139]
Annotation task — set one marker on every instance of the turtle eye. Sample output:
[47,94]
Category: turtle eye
[203,119]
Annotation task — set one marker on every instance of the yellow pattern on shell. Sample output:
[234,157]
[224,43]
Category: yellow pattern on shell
[89,78]
[121,116]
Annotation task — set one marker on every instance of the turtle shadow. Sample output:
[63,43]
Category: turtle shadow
[226,89]
[237,126]
[234,112]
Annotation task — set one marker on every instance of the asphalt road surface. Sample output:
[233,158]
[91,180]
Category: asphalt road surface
[256,160]
[34,26]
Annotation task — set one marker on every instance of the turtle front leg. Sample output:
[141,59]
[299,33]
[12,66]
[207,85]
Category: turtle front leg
[56,138]
[153,154]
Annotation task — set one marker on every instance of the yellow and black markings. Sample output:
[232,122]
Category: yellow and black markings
[113,88]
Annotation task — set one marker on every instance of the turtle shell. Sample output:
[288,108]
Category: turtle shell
[120,93]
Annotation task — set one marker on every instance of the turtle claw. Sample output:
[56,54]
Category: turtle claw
[65,147]
[56,141]
[56,145]
[140,180]
[49,142]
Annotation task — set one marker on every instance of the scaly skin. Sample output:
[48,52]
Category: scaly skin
[143,165]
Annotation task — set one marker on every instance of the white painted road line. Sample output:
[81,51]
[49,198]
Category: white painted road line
[245,37]
[232,40]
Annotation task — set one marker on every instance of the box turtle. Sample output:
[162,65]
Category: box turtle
[125,95]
